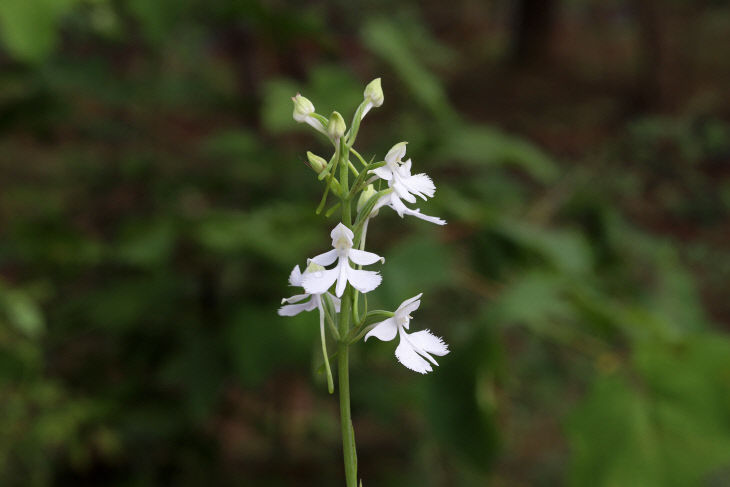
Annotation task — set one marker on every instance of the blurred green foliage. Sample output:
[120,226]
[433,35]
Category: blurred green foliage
[154,197]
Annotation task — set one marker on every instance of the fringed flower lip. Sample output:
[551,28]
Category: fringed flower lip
[415,349]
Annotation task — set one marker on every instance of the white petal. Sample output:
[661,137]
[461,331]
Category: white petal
[396,153]
[363,281]
[384,200]
[420,184]
[295,299]
[295,278]
[397,205]
[383,173]
[402,191]
[408,356]
[385,330]
[319,281]
[341,236]
[325,259]
[405,169]
[342,270]
[429,343]
[410,305]
[294,309]
[362,257]
[417,213]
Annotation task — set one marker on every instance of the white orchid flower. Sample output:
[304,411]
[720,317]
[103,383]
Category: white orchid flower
[415,349]
[399,177]
[364,281]
[315,300]
[406,186]
[303,113]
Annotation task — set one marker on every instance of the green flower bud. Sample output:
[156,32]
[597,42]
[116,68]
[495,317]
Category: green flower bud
[336,126]
[317,163]
[303,108]
[374,92]
[365,196]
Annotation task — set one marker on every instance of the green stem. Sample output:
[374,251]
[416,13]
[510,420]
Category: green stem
[343,377]
[343,352]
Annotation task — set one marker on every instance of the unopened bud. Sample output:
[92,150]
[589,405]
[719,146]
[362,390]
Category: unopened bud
[374,92]
[303,108]
[317,163]
[336,126]
[365,196]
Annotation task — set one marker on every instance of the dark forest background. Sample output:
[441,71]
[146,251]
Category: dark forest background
[154,197]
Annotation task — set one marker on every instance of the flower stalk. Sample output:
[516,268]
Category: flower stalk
[334,280]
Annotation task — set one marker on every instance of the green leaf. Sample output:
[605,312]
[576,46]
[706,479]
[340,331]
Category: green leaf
[21,312]
[670,426]
[482,145]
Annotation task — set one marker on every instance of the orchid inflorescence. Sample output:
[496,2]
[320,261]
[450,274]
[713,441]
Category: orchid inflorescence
[386,183]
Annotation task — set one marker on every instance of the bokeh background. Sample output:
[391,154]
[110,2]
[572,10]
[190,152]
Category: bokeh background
[154,197]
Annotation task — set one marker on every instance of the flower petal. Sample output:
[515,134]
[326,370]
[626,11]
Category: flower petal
[341,236]
[295,278]
[295,299]
[342,267]
[417,213]
[420,184]
[325,259]
[396,153]
[408,356]
[385,330]
[319,281]
[410,305]
[294,309]
[362,257]
[402,191]
[363,281]
[397,205]
[427,342]
[383,173]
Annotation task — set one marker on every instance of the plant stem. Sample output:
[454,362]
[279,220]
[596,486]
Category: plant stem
[343,376]
[343,355]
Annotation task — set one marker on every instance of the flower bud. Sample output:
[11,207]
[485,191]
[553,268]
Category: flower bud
[317,163]
[396,153]
[374,92]
[365,196]
[336,126]
[303,108]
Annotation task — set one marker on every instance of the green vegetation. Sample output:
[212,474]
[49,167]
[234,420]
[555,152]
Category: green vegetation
[152,204]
